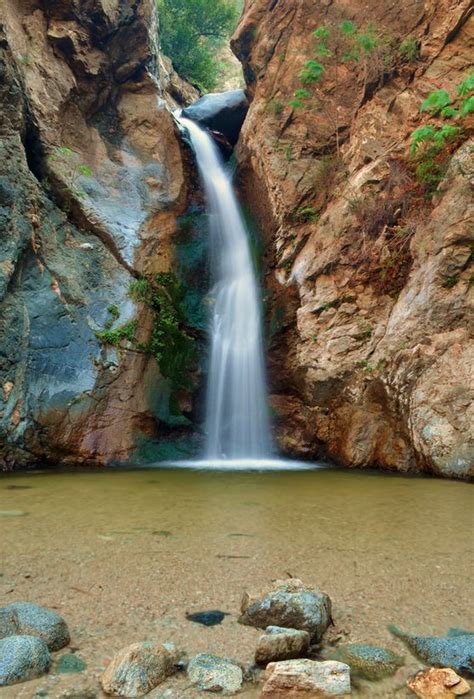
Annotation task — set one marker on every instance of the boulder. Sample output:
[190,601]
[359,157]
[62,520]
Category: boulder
[278,643]
[369,662]
[29,619]
[213,674]
[139,668]
[22,658]
[224,112]
[290,604]
[306,678]
[455,650]
[438,683]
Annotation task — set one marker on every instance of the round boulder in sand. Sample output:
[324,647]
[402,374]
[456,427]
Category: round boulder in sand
[22,658]
[278,643]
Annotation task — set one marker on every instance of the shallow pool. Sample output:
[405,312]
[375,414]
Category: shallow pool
[124,555]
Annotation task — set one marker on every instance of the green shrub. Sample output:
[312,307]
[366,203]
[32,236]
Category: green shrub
[306,214]
[71,169]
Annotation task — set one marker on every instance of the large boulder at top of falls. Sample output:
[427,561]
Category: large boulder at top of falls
[224,112]
[290,604]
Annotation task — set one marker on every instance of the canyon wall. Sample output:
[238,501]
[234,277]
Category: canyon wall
[92,182]
[368,274]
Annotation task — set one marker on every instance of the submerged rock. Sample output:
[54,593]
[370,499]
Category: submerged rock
[22,658]
[437,683]
[139,668]
[69,663]
[453,650]
[31,620]
[213,674]
[279,643]
[224,112]
[299,678]
[291,605]
[369,662]
[211,618]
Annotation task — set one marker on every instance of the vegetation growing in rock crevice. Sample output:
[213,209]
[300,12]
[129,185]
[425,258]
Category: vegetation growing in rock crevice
[70,169]
[433,143]
[170,344]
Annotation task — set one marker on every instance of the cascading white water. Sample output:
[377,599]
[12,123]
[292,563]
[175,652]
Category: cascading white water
[237,415]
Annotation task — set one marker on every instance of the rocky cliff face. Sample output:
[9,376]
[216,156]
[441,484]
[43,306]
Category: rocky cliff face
[92,182]
[369,276]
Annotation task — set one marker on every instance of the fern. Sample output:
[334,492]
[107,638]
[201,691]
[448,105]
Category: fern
[311,73]
[467,106]
[422,135]
[436,101]
[467,86]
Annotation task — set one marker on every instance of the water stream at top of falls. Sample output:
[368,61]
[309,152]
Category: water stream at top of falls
[237,422]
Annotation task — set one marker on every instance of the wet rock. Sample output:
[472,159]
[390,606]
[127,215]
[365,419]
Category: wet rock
[211,618]
[224,112]
[369,662]
[438,683]
[306,678]
[31,620]
[213,674]
[278,643]
[139,668]
[454,651]
[291,605]
[22,658]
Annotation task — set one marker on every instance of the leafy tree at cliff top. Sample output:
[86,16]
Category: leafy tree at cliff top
[191,31]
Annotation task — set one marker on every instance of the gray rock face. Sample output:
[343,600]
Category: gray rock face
[139,668]
[290,604]
[306,678]
[369,662]
[455,650]
[31,620]
[22,658]
[278,643]
[224,112]
[213,674]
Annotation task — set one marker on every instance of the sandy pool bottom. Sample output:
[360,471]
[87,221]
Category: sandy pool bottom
[123,556]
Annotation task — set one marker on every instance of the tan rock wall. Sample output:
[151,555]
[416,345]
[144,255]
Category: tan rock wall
[377,362]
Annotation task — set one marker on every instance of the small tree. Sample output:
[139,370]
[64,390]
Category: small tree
[191,31]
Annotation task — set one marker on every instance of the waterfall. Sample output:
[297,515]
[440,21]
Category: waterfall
[237,421]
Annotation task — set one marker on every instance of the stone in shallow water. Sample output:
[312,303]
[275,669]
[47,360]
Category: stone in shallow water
[438,683]
[69,663]
[213,674]
[306,678]
[455,650]
[31,620]
[139,668]
[369,662]
[290,604]
[210,618]
[278,643]
[22,658]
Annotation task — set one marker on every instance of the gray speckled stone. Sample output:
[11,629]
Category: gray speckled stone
[290,604]
[31,620]
[455,650]
[22,658]
[139,668]
[213,674]
[369,662]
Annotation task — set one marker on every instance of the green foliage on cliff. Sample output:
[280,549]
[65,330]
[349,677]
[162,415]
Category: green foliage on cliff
[191,31]
[170,344]
[432,143]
